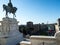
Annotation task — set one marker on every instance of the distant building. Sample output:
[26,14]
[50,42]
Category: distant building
[59,22]
[38,29]
[57,26]
[29,24]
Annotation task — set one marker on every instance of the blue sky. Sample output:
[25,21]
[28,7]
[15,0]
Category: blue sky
[37,11]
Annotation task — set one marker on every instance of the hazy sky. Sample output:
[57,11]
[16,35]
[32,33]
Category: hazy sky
[37,11]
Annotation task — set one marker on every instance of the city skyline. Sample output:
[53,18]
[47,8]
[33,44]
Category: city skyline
[37,11]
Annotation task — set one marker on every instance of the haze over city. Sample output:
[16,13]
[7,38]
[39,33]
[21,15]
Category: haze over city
[37,11]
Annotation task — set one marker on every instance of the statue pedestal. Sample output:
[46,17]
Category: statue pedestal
[9,34]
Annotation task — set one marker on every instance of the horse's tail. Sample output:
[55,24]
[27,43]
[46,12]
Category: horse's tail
[15,9]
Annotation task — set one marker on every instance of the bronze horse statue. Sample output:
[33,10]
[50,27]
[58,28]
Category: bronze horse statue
[9,9]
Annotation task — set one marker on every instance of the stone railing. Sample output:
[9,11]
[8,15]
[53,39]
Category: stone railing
[43,40]
[25,43]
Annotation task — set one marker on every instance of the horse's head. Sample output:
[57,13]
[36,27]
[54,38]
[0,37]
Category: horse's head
[4,7]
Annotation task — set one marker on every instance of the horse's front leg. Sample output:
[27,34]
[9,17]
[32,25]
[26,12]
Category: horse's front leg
[14,15]
[3,9]
[6,14]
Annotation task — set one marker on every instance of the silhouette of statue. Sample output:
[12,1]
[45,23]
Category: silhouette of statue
[10,4]
[9,9]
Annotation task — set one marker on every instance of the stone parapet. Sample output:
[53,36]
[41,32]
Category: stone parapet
[43,40]
[25,43]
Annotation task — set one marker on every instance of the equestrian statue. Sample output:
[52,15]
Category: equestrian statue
[9,9]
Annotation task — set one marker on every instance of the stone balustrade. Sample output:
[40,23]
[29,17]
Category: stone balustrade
[25,43]
[43,40]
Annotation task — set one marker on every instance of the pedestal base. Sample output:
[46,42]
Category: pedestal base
[10,34]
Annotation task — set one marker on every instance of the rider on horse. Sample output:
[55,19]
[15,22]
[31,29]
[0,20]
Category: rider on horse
[10,9]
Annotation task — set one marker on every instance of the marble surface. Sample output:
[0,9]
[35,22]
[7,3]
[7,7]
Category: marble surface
[9,34]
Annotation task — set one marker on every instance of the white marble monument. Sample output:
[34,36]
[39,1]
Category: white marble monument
[9,30]
[9,34]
